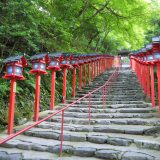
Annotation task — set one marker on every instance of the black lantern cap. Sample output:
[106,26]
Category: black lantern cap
[66,54]
[55,55]
[75,55]
[156,39]
[149,46]
[39,56]
[13,59]
[143,50]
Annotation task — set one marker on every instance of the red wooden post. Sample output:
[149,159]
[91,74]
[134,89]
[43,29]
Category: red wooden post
[97,67]
[89,73]
[103,66]
[92,70]
[38,67]
[75,61]
[141,72]
[152,85]
[37,97]
[158,80]
[64,85]
[54,65]
[80,77]
[65,63]
[143,78]
[146,79]
[11,106]
[137,69]
[148,82]
[85,76]
[156,60]
[100,64]
[74,83]
[141,75]
[53,89]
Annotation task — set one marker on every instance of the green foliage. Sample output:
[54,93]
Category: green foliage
[154,21]
[76,26]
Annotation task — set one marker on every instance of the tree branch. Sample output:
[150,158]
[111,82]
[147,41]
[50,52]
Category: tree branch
[99,10]
[92,38]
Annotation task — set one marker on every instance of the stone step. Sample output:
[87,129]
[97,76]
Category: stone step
[114,95]
[85,149]
[118,92]
[19,154]
[106,110]
[127,90]
[116,139]
[113,90]
[122,82]
[100,106]
[109,128]
[108,102]
[99,97]
[113,98]
[109,95]
[120,86]
[125,121]
[108,115]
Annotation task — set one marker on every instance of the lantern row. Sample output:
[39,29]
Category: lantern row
[53,62]
[143,62]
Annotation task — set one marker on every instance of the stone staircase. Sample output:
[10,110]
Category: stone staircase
[126,128]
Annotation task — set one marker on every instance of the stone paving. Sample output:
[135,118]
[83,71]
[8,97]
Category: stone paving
[125,128]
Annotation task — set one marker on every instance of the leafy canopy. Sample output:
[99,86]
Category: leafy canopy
[74,25]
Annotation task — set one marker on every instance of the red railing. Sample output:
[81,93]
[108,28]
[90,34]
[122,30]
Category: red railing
[104,88]
[145,62]
[145,74]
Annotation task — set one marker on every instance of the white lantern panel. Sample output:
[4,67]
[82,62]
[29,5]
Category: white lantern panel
[18,70]
[157,55]
[150,57]
[42,66]
[35,66]
[10,70]
[65,62]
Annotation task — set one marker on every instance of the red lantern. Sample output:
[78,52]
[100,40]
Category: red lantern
[14,67]
[65,64]
[54,65]
[38,67]
[39,63]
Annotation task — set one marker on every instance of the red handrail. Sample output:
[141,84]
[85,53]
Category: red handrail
[114,75]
